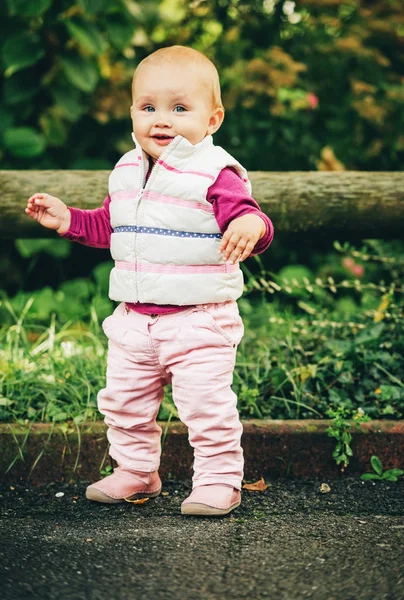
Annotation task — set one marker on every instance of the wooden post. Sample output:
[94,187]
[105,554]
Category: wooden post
[336,204]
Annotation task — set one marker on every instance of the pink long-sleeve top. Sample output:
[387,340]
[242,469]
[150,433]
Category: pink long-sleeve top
[228,197]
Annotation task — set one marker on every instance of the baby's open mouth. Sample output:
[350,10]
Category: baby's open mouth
[162,137]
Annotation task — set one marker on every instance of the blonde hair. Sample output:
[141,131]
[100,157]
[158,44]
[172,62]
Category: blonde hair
[185,55]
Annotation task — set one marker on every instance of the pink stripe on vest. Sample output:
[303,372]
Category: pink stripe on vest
[127,165]
[156,197]
[198,173]
[175,269]
[125,195]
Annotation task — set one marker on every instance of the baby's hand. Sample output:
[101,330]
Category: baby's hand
[240,237]
[49,211]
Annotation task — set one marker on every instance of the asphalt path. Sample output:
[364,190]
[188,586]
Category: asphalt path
[290,541]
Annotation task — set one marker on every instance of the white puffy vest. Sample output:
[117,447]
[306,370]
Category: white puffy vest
[165,235]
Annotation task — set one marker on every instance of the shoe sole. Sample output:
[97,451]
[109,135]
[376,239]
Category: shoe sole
[197,509]
[98,496]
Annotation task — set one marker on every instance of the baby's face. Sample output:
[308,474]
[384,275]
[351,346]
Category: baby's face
[171,100]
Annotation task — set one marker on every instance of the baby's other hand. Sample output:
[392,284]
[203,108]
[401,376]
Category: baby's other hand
[49,211]
[240,237]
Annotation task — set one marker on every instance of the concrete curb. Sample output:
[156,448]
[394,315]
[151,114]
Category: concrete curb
[44,453]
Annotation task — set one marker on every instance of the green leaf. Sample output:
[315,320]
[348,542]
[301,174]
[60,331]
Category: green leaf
[339,346]
[20,87]
[77,288]
[396,472]
[369,334]
[346,377]
[342,459]
[332,433]
[5,401]
[59,415]
[376,464]
[68,102]
[20,51]
[87,36]
[120,30]
[335,397]
[43,305]
[54,129]
[81,72]
[59,248]
[28,8]
[338,447]
[368,476]
[391,392]
[346,437]
[24,142]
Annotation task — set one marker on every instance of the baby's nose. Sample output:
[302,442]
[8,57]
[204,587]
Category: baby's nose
[163,120]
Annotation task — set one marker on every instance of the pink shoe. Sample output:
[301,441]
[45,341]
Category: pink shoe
[124,485]
[211,500]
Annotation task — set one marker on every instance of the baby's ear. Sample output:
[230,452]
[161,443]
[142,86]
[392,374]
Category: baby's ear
[215,121]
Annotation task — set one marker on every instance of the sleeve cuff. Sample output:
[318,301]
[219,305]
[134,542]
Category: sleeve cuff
[74,227]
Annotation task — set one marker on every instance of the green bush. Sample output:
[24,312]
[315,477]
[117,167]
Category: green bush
[304,87]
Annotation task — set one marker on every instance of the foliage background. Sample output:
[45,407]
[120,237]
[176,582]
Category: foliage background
[295,78]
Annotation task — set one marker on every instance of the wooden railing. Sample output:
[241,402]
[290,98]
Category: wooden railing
[334,204]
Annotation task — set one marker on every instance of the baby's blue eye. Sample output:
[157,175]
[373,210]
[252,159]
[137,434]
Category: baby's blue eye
[149,108]
[180,109]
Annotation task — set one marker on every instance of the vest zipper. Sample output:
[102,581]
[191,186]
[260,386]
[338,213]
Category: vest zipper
[138,199]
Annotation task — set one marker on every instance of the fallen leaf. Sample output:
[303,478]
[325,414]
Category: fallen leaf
[12,488]
[258,486]
[89,539]
[139,501]
[325,488]
[165,493]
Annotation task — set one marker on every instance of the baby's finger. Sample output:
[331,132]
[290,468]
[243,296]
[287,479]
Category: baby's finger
[31,207]
[37,196]
[238,250]
[247,251]
[231,245]
[224,241]
[33,213]
[41,199]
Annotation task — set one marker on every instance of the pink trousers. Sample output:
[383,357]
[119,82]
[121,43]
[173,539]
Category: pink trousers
[194,349]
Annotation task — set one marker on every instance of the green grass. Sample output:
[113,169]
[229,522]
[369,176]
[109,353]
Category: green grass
[297,359]
[51,373]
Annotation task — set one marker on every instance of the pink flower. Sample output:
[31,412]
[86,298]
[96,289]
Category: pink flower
[348,262]
[352,267]
[358,270]
[312,99]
